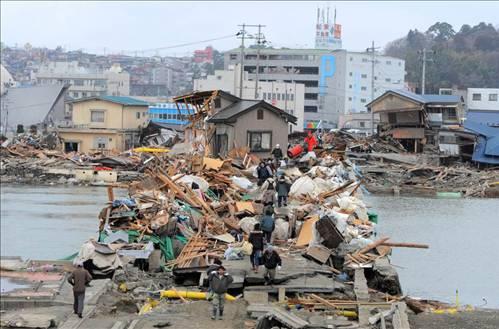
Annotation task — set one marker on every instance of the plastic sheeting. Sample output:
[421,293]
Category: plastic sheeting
[303,186]
[281,231]
[247,224]
[242,182]
[189,179]
[353,205]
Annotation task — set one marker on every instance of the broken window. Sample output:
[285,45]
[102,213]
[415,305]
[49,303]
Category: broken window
[392,118]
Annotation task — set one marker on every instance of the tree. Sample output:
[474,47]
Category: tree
[441,31]
[468,58]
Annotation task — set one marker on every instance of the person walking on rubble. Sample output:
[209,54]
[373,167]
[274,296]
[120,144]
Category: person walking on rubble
[268,198]
[219,283]
[277,153]
[263,173]
[79,278]
[256,240]
[268,224]
[282,187]
[272,262]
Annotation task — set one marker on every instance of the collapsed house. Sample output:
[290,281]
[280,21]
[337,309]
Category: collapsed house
[416,121]
[220,122]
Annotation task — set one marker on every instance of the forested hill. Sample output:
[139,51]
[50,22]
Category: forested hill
[468,58]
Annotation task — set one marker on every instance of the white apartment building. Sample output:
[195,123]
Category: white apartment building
[287,96]
[483,99]
[336,81]
[84,82]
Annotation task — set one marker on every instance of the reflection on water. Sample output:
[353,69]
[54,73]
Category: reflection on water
[7,285]
[464,246]
[48,222]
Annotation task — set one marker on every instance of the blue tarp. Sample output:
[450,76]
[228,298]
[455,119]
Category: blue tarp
[486,124]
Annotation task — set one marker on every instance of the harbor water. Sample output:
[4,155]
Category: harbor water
[53,222]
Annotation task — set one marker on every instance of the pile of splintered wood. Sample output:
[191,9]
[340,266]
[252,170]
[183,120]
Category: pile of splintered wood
[379,248]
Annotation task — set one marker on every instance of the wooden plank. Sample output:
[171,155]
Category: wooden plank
[281,294]
[212,164]
[405,245]
[323,301]
[245,206]
[110,194]
[305,235]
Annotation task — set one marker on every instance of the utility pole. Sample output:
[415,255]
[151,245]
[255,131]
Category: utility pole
[242,35]
[372,49]
[424,59]
[241,72]
[260,40]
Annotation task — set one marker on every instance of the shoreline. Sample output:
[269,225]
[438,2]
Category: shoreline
[375,190]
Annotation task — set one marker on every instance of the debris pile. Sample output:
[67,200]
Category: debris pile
[188,209]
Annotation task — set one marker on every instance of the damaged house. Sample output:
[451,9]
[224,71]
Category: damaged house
[222,122]
[419,122]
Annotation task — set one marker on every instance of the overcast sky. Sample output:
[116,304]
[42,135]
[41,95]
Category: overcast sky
[131,26]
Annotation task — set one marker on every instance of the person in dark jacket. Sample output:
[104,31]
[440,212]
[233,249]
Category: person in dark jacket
[263,173]
[268,224]
[79,279]
[271,261]
[256,239]
[214,266]
[219,283]
[277,153]
[282,187]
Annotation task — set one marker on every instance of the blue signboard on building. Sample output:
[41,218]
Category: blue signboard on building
[327,69]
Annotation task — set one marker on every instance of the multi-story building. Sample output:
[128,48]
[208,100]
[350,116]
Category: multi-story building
[288,96]
[104,124]
[163,76]
[483,99]
[336,82]
[84,82]
[203,56]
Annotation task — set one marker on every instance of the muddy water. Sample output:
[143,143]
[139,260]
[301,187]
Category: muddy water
[463,235]
[48,222]
[52,222]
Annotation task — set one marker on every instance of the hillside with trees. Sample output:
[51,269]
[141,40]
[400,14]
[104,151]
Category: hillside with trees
[468,58]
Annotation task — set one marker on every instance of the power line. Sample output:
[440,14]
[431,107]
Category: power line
[179,45]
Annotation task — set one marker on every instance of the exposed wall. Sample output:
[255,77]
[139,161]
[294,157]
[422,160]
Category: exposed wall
[392,102]
[116,116]
[402,118]
[87,140]
[130,120]
[271,122]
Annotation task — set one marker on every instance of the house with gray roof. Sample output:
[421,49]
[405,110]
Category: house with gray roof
[252,123]
[417,121]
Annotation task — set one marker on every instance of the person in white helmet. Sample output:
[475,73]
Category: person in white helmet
[277,154]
